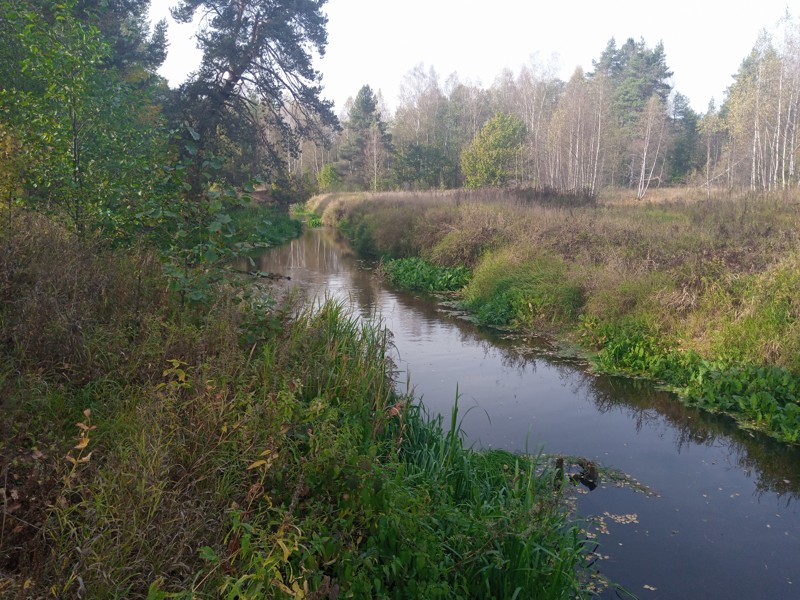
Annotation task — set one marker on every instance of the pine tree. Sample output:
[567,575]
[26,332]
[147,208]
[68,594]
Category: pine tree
[367,145]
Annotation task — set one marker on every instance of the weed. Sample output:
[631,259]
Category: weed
[418,274]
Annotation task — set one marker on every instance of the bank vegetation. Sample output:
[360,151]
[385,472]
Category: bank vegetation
[697,294]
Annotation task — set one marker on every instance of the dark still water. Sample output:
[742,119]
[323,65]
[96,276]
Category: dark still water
[721,519]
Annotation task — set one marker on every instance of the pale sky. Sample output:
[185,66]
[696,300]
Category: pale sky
[377,42]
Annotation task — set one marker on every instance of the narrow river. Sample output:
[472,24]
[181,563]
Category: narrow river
[721,517]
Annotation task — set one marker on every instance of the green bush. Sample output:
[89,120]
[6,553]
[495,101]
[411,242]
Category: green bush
[418,274]
[534,291]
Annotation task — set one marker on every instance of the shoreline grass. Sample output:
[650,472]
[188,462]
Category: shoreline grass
[247,449]
[695,293]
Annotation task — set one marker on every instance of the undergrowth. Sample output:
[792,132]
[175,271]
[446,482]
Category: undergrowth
[243,449]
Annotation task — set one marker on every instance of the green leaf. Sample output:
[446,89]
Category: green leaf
[207,553]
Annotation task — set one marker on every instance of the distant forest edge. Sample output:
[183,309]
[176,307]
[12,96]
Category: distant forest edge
[622,125]
[92,131]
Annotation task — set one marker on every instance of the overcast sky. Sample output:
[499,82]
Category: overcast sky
[377,42]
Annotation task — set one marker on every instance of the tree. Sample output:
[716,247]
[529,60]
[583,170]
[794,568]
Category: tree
[684,153]
[261,49]
[711,128]
[421,134]
[328,180]
[635,74]
[84,133]
[762,114]
[652,135]
[421,166]
[123,24]
[576,136]
[491,159]
[367,145]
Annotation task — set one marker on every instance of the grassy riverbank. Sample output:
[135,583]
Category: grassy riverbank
[241,449]
[699,294]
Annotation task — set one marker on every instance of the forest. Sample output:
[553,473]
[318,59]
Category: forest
[171,429]
[619,127]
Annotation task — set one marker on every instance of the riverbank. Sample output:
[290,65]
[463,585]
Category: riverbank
[695,293]
[242,448]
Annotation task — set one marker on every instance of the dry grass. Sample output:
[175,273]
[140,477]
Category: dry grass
[83,326]
[657,260]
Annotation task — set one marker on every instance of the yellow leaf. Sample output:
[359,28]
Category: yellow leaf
[286,551]
[256,464]
[82,426]
[86,458]
[84,441]
[284,588]
[71,459]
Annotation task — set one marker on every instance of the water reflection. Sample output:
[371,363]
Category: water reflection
[726,518]
[322,262]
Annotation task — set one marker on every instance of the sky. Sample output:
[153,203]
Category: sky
[377,42]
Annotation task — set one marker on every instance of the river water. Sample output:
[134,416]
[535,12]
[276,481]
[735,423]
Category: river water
[719,517]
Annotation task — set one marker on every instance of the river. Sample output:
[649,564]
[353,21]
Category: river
[718,517]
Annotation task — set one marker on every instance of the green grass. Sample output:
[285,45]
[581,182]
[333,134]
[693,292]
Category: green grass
[420,275]
[535,291]
[245,449]
[306,215]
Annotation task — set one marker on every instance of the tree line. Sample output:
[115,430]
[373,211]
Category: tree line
[88,129]
[621,125]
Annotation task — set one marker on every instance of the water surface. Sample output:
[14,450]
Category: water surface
[722,519]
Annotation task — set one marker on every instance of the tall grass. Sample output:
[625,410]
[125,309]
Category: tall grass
[693,276]
[254,450]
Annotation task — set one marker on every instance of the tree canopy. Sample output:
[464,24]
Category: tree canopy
[491,159]
[367,143]
[257,53]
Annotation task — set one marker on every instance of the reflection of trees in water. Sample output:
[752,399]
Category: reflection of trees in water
[777,466]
